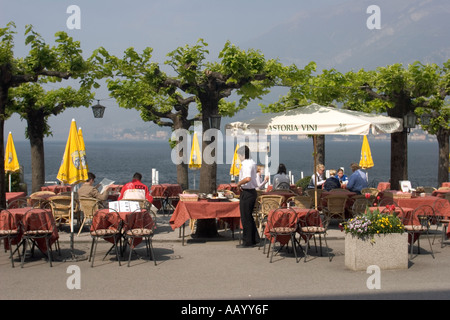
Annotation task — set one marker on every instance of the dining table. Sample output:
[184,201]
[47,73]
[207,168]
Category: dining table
[45,219]
[298,214]
[124,221]
[165,195]
[205,209]
[11,196]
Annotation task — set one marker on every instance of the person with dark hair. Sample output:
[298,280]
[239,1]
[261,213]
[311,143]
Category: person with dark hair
[88,189]
[135,190]
[247,184]
[281,179]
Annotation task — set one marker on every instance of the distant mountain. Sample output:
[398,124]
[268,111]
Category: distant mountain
[338,37]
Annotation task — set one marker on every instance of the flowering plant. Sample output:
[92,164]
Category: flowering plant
[374,222]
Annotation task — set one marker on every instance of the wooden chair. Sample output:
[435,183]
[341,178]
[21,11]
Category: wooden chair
[88,206]
[335,205]
[301,201]
[266,203]
[61,208]
[37,199]
[19,203]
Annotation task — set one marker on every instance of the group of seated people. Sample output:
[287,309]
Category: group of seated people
[134,189]
[355,183]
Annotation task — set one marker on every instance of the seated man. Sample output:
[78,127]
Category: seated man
[135,190]
[89,191]
[358,179]
[332,182]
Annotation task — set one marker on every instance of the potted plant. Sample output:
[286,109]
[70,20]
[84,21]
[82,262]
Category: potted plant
[376,238]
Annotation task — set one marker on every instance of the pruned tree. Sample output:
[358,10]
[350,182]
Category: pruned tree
[43,63]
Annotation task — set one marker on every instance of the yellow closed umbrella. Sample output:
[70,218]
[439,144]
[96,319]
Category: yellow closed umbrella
[366,160]
[195,159]
[82,149]
[72,170]
[236,164]
[11,160]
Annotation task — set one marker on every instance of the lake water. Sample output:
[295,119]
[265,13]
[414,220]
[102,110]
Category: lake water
[119,160]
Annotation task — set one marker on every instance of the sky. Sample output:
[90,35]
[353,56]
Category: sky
[162,25]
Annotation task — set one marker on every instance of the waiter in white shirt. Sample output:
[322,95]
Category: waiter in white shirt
[247,184]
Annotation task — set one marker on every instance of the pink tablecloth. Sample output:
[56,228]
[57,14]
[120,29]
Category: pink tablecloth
[299,213]
[45,218]
[203,209]
[160,192]
[11,196]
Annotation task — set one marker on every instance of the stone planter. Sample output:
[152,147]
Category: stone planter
[388,251]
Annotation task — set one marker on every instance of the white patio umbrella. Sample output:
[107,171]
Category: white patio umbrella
[318,120]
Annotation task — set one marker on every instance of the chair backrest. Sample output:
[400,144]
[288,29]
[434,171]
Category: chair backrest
[105,219]
[359,206]
[447,196]
[268,203]
[38,194]
[19,203]
[314,218]
[301,201]
[134,194]
[310,193]
[440,207]
[7,223]
[61,205]
[339,190]
[138,221]
[389,200]
[282,221]
[336,202]
[37,219]
[89,206]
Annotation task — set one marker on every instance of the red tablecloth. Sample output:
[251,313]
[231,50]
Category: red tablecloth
[126,225]
[56,188]
[11,196]
[383,186]
[429,200]
[300,213]
[46,218]
[160,192]
[203,209]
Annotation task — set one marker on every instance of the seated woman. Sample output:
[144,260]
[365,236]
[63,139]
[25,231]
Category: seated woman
[320,169]
[281,179]
[332,182]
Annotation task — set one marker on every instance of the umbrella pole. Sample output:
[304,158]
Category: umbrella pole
[314,170]
[73,256]
[10,181]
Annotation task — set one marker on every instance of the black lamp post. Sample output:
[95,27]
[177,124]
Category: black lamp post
[409,120]
[214,121]
[98,110]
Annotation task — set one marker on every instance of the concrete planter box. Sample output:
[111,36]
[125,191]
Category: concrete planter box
[388,251]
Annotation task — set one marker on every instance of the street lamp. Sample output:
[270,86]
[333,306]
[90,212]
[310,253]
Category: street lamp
[214,121]
[409,120]
[98,110]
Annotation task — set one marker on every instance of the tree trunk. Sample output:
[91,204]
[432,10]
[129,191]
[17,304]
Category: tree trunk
[36,128]
[3,98]
[208,171]
[443,142]
[399,158]
[183,175]
[320,145]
